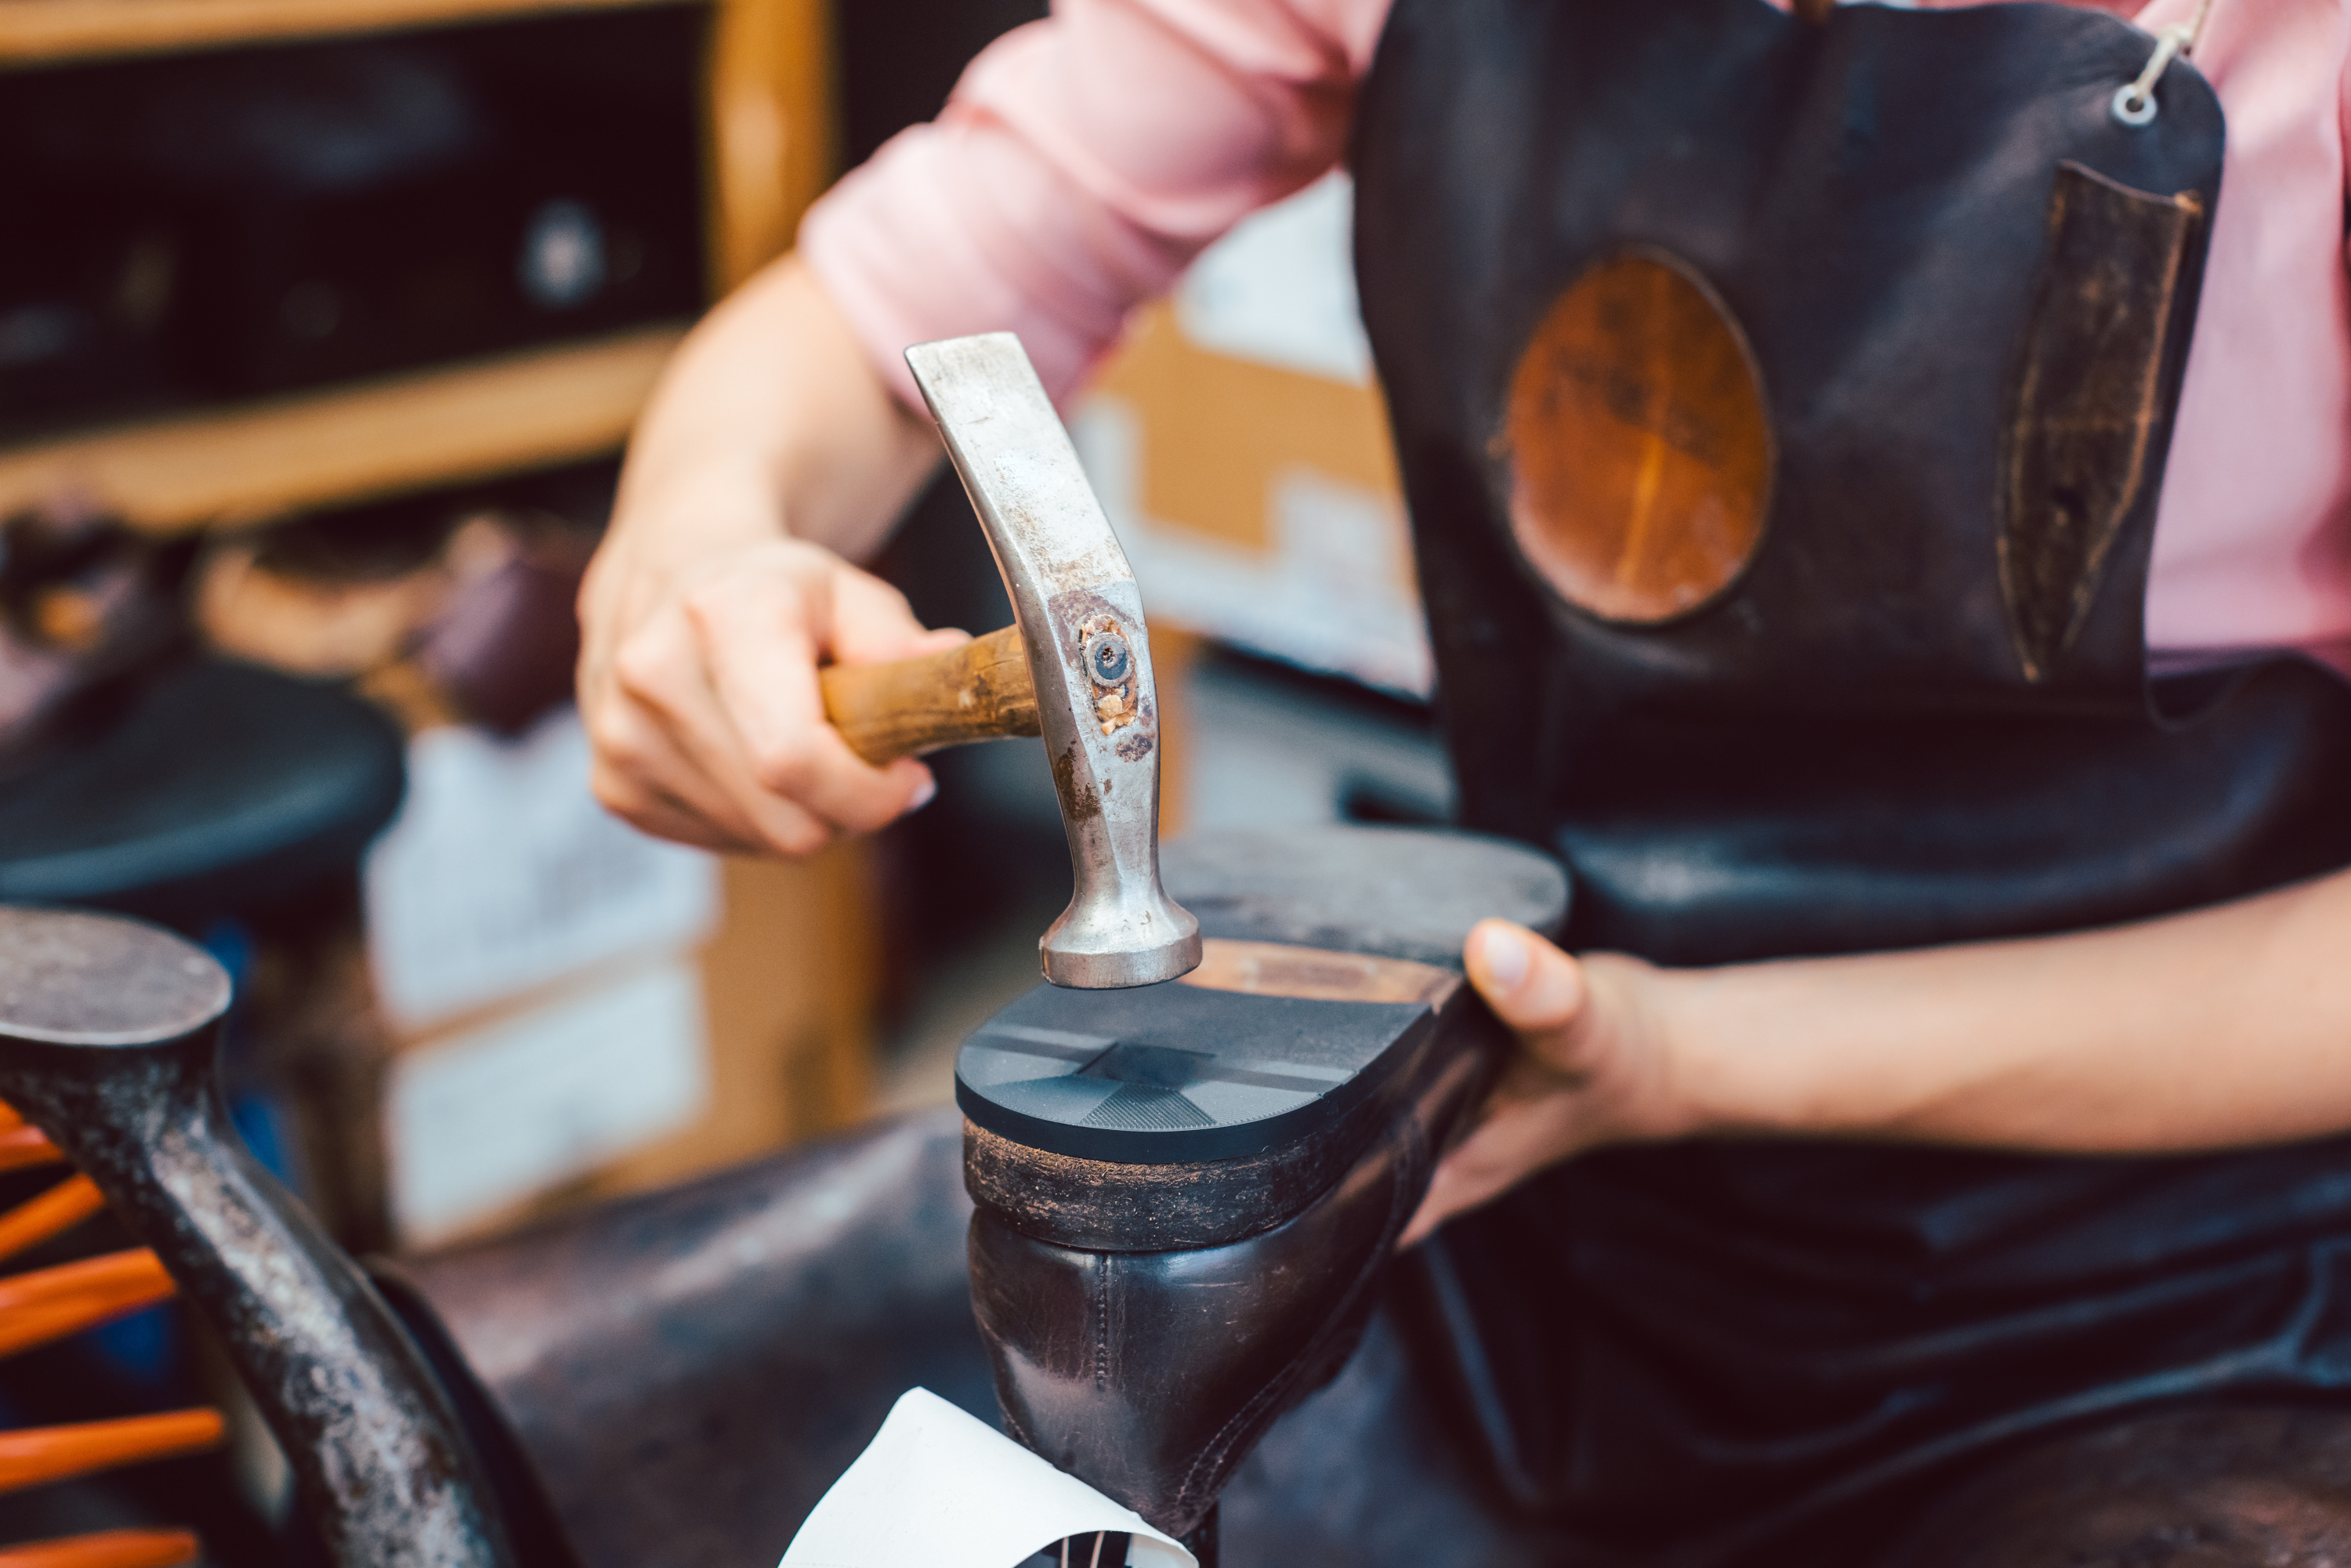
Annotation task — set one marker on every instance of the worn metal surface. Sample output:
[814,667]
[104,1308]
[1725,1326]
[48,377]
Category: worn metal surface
[1081,617]
[108,1033]
[91,980]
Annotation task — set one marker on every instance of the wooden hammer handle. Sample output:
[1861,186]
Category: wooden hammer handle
[977,692]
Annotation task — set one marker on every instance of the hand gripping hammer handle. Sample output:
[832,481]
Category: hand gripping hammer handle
[980,691]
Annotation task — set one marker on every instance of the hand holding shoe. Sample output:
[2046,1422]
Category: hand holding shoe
[1592,1067]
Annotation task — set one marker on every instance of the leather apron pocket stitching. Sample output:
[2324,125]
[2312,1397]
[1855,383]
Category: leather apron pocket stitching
[2083,442]
[1639,446]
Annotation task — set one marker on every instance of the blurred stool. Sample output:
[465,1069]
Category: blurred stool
[208,790]
[235,803]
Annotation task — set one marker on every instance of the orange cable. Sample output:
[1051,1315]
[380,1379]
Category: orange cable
[23,1147]
[106,1549]
[56,1211]
[50,1303]
[32,1455]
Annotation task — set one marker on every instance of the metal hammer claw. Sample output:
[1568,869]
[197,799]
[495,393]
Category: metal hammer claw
[1075,668]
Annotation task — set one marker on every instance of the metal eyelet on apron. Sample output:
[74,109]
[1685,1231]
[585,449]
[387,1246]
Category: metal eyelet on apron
[2134,103]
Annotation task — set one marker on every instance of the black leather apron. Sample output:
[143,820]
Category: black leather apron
[1916,712]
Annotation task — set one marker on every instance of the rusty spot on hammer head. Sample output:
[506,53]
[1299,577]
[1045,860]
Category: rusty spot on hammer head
[1078,802]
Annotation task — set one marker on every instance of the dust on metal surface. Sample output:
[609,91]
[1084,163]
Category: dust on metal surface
[97,980]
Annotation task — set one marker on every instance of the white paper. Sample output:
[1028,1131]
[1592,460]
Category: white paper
[503,873]
[1280,289]
[496,1114]
[937,1488]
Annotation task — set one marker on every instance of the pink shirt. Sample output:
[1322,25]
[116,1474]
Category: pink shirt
[1085,160]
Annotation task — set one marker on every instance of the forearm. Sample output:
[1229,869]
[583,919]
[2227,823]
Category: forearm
[2223,1026]
[770,451]
[770,416]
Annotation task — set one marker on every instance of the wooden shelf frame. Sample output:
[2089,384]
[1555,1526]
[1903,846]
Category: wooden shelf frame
[222,467]
[769,149]
[55,32]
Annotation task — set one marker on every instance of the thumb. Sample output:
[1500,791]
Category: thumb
[1532,986]
[1538,992]
[873,623]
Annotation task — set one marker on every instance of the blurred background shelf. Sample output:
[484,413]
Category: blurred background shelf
[349,502]
[322,326]
[446,426]
[768,87]
[768,144]
[51,30]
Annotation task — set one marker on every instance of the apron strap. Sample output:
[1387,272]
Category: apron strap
[2133,103]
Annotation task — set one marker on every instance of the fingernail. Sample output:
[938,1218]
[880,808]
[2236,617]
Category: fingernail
[924,793]
[1503,953]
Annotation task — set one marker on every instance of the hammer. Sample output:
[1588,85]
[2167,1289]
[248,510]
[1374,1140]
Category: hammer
[1075,666]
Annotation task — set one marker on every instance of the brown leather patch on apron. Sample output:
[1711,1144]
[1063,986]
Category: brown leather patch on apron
[2089,399]
[1641,454]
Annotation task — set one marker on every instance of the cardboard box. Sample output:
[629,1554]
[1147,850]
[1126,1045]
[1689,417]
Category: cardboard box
[1240,444]
[578,1010]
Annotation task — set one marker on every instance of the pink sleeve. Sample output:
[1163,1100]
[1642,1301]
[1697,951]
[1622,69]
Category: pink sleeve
[1083,162]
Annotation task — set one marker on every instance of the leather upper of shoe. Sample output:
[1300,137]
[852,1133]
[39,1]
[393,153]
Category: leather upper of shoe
[1151,1374]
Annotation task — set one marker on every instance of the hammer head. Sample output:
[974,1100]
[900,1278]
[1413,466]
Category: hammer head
[1088,655]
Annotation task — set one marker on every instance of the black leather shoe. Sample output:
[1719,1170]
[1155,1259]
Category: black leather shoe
[1188,1193]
